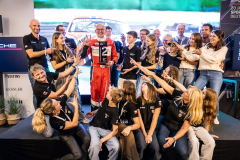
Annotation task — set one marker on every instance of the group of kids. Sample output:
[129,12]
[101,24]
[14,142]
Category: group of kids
[143,123]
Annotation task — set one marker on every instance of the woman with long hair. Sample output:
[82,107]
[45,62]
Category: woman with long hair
[61,59]
[65,122]
[198,132]
[184,110]
[187,68]
[128,121]
[149,58]
[210,57]
[148,108]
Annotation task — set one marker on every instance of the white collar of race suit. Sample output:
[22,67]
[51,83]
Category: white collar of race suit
[101,39]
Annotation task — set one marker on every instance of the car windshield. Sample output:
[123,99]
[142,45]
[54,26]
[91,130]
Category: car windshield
[89,25]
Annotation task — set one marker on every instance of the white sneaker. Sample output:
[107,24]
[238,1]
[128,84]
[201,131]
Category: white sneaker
[85,120]
[216,121]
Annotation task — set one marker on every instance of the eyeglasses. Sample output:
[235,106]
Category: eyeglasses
[100,29]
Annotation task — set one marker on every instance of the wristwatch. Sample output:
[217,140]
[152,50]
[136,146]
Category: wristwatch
[174,138]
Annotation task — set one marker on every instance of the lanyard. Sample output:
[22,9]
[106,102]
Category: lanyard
[175,103]
[66,55]
[122,109]
[62,118]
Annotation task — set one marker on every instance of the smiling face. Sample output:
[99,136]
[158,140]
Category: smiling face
[100,30]
[62,30]
[144,87]
[192,41]
[185,94]
[165,72]
[205,32]
[108,32]
[214,39]
[40,75]
[149,42]
[57,106]
[60,40]
[157,33]
[180,29]
[143,35]
[35,26]
[166,41]
[173,49]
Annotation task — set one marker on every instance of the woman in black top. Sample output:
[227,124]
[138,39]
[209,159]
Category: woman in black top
[148,110]
[61,59]
[65,122]
[129,121]
[183,111]
[149,58]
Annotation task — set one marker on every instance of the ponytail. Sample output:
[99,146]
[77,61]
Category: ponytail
[39,122]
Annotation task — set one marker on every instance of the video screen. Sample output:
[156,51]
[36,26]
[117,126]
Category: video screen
[81,17]
[13,56]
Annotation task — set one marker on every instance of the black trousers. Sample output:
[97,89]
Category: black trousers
[153,148]
[78,143]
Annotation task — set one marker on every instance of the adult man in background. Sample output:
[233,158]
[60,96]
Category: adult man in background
[206,31]
[100,73]
[37,48]
[158,34]
[70,42]
[118,45]
[143,37]
[180,38]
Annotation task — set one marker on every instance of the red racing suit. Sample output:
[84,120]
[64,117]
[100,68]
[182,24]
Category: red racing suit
[100,74]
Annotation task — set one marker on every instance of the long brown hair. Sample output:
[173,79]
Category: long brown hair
[39,122]
[57,55]
[197,39]
[129,91]
[151,55]
[210,106]
[152,94]
[220,43]
[174,73]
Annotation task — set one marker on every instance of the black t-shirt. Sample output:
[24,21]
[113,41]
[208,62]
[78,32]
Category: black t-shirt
[134,53]
[66,113]
[106,116]
[176,112]
[145,63]
[31,42]
[147,111]
[70,43]
[169,60]
[139,44]
[43,90]
[127,112]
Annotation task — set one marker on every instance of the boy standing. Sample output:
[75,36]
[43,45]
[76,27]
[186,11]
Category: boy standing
[128,70]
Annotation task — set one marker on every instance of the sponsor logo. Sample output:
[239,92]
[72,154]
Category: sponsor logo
[132,54]
[142,107]
[45,93]
[182,112]
[96,44]
[160,103]
[135,112]
[33,42]
[116,121]
[152,107]
[61,127]
[43,42]
[8,45]
[13,76]
[18,101]
[14,89]
[106,115]
[26,46]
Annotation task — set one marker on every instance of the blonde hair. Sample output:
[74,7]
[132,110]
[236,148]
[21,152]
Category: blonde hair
[210,106]
[39,122]
[56,53]
[116,94]
[129,91]
[195,104]
[35,67]
[152,94]
[151,55]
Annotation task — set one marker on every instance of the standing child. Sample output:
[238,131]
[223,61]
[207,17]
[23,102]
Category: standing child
[132,51]
[104,126]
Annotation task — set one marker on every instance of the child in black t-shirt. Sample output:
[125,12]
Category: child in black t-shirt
[149,108]
[104,126]
[128,71]
[65,122]
[129,121]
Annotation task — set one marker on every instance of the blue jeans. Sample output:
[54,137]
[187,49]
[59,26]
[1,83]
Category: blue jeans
[181,146]
[114,76]
[214,78]
[112,144]
[186,76]
[153,147]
